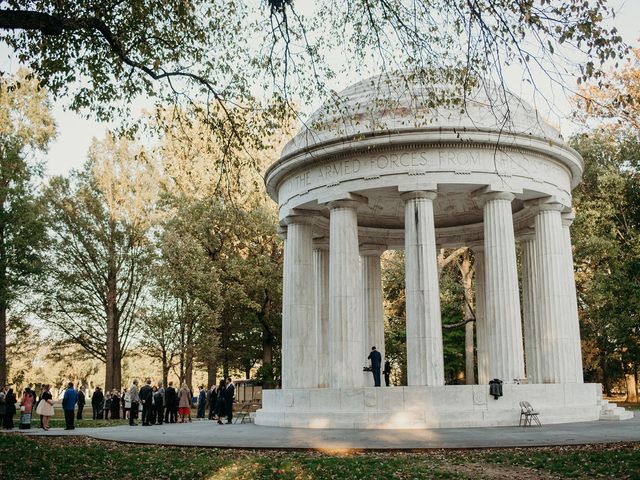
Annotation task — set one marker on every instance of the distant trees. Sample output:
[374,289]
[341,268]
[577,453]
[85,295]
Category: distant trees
[100,254]
[26,126]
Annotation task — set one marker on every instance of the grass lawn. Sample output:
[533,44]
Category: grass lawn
[24,457]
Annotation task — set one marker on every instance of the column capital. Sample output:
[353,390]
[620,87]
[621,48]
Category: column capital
[351,200]
[484,196]
[568,218]
[527,234]
[428,194]
[282,231]
[545,204]
[372,249]
[321,243]
[298,219]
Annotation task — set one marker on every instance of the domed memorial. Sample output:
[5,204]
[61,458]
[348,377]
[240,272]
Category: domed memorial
[390,163]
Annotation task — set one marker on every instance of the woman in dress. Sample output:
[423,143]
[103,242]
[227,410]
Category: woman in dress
[10,409]
[26,406]
[115,405]
[45,407]
[220,404]
[184,403]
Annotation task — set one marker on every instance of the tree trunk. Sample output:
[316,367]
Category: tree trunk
[632,388]
[606,384]
[4,371]
[112,354]
[469,353]
[212,371]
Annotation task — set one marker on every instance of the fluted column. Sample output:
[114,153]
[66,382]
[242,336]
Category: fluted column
[321,266]
[345,297]
[425,363]
[551,302]
[530,320]
[372,300]
[572,300]
[502,296]
[481,335]
[299,359]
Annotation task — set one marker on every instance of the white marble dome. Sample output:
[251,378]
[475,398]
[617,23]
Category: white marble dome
[383,104]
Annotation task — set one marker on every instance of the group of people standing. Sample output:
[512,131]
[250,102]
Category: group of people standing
[219,399]
[43,406]
[174,405]
[154,403]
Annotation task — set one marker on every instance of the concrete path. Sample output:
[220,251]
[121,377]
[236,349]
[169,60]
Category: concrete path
[210,434]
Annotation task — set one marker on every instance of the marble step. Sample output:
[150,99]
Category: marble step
[611,411]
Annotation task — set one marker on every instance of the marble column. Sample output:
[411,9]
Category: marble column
[425,363]
[572,299]
[372,300]
[481,336]
[530,320]
[551,296]
[321,266]
[502,295]
[346,336]
[299,360]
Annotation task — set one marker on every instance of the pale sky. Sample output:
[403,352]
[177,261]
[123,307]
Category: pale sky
[75,133]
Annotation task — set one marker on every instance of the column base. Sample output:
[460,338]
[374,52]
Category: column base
[451,406]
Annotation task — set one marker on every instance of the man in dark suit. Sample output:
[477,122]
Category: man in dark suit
[228,398]
[97,401]
[386,372]
[376,361]
[146,394]
[81,402]
[171,400]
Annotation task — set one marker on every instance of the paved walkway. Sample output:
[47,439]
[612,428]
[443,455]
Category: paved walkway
[210,434]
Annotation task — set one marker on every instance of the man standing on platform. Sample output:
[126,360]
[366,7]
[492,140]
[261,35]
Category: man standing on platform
[386,372]
[376,361]
[68,405]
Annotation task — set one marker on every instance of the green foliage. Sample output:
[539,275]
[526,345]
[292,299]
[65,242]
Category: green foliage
[26,126]
[606,237]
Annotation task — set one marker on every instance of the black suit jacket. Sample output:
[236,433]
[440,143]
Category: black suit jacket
[145,393]
[229,393]
[376,359]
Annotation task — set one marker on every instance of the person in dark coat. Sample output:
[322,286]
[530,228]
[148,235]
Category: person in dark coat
[9,409]
[171,401]
[202,402]
[211,400]
[220,404]
[97,402]
[115,405]
[68,405]
[146,397]
[386,372]
[158,403]
[376,361]
[81,402]
[228,399]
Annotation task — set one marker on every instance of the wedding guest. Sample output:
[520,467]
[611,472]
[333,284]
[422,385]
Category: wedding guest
[26,406]
[3,403]
[171,404]
[220,404]
[68,405]
[45,407]
[228,399]
[202,401]
[81,402]
[97,402]
[159,403]
[10,409]
[115,405]
[134,398]
[184,403]
[211,400]
[107,405]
